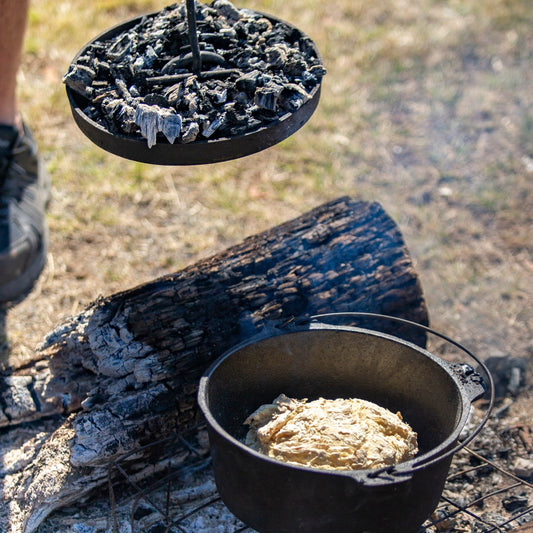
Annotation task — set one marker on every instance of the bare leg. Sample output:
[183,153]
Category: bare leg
[13,17]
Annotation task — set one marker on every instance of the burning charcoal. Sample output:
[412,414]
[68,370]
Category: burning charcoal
[140,79]
[106,95]
[79,78]
[102,68]
[242,99]
[146,117]
[190,101]
[248,82]
[256,63]
[210,128]
[276,55]
[120,47]
[174,94]
[238,120]
[134,91]
[264,115]
[190,132]
[138,64]
[235,115]
[220,95]
[255,27]
[147,60]
[125,117]
[309,79]
[206,106]
[292,97]
[156,99]
[220,41]
[111,105]
[100,85]
[277,35]
[123,89]
[192,84]
[267,97]
[169,123]
[296,67]
[319,71]
[227,10]
[91,112]
[263,25]
[267,78]
[86,60]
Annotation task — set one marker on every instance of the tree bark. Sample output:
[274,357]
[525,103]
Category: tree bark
[124,372]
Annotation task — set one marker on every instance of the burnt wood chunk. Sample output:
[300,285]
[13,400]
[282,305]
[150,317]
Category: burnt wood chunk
[124,372]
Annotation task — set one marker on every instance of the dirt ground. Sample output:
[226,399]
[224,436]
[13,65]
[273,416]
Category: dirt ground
[427,108]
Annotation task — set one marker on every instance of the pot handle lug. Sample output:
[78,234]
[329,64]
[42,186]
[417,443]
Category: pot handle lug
[471,381]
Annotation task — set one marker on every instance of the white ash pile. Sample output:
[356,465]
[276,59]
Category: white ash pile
[255,69]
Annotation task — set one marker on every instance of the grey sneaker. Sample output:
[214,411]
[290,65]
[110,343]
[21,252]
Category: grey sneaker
[24,194]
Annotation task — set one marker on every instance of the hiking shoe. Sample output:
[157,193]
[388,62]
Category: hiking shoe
[24,193]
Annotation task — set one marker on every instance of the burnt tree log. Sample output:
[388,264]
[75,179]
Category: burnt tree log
[124,372]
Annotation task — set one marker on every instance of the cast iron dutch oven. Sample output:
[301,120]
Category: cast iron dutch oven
[323,360]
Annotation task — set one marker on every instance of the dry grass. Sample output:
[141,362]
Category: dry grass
[427,108]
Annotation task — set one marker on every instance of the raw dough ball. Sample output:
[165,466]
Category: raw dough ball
[341,434]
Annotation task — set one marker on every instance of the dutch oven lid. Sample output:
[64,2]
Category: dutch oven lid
[136,148]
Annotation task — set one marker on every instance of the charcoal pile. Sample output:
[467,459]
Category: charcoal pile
[140,82]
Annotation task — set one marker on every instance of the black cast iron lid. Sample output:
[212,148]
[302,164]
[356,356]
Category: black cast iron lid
[135,147]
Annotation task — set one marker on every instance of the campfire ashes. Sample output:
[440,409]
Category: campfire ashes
[254,70]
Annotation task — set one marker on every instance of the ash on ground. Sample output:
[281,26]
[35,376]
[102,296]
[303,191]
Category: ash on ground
[254,70]
[490,484]
[489,487]
[494,499]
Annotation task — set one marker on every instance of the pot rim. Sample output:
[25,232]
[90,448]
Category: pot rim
[391,473]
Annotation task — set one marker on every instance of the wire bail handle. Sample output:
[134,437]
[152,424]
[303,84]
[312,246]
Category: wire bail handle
[424,463]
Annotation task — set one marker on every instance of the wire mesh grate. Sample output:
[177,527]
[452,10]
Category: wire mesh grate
[500,508]
[481,495]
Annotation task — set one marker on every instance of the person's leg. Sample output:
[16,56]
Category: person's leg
[24,184]
[13,17]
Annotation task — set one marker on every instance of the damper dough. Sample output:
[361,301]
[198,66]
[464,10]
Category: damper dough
[341,434]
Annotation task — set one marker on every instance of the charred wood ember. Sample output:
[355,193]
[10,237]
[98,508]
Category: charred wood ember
[146,80]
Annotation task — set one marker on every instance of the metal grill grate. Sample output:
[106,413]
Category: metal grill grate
[502,508]
[464,507]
